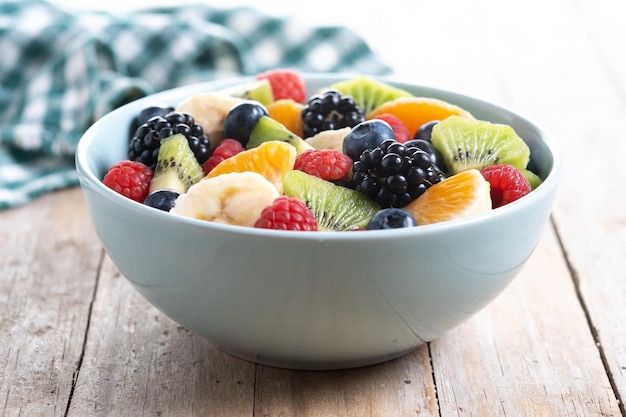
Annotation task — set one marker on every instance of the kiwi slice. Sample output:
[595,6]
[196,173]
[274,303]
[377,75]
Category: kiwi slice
[177,168]
[336,208]
[267,129]
[534,179]
[467,143]
[369,93]
[257,90]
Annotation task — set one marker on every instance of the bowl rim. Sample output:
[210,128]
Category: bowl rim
[89,179]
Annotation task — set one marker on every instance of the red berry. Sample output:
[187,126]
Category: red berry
[399,129]
[507,183]
[327,164]
[285,83]
[129,178]
[287,213]
[225,149]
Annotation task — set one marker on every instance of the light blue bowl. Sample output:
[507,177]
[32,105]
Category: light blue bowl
[315,300]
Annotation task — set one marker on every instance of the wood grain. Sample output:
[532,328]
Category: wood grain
[76,339]
[138,362]
[48,265]
[530,353]
[583,102]
[402,387]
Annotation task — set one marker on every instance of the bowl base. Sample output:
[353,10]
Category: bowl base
[312,365]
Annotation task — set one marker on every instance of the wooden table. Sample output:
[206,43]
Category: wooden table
[77,340]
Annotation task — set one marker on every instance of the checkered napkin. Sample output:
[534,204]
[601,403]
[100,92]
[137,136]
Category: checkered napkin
[61,71]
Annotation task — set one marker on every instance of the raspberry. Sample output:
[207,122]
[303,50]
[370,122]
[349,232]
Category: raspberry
[285,84]
[225,149]
[507,183]
[399,129]
[287,213]
[330,111]
[327,164]
[130,179]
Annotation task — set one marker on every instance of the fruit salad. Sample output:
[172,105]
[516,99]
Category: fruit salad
[360,154]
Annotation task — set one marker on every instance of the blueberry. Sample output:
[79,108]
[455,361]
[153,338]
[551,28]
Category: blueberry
[162,199]
[146,114]
[152,111]
[391,218]
[424,131]
[366,135]
[241,119]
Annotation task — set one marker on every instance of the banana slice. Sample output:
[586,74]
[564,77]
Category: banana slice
[235,198]
[209,110]
[329,139]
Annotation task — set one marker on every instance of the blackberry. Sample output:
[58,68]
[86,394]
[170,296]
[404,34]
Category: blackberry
[146,114]
[330,111]
[145,143]
[393,174]
[428,147]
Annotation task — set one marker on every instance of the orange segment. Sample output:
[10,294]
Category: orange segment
[288,112]
[415,111]
[462,195]
[272,159]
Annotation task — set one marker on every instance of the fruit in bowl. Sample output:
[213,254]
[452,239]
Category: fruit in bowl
[188,215]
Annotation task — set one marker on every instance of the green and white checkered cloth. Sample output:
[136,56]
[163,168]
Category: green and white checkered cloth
[61,71]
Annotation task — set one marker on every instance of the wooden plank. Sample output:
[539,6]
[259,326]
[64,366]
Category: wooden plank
[401,387]
[567,74]
[49,260]
[138,362]
[533,57]
[560,63]
[530,353]
[601,218]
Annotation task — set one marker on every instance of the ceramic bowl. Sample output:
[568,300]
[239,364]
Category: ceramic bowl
[324,300]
